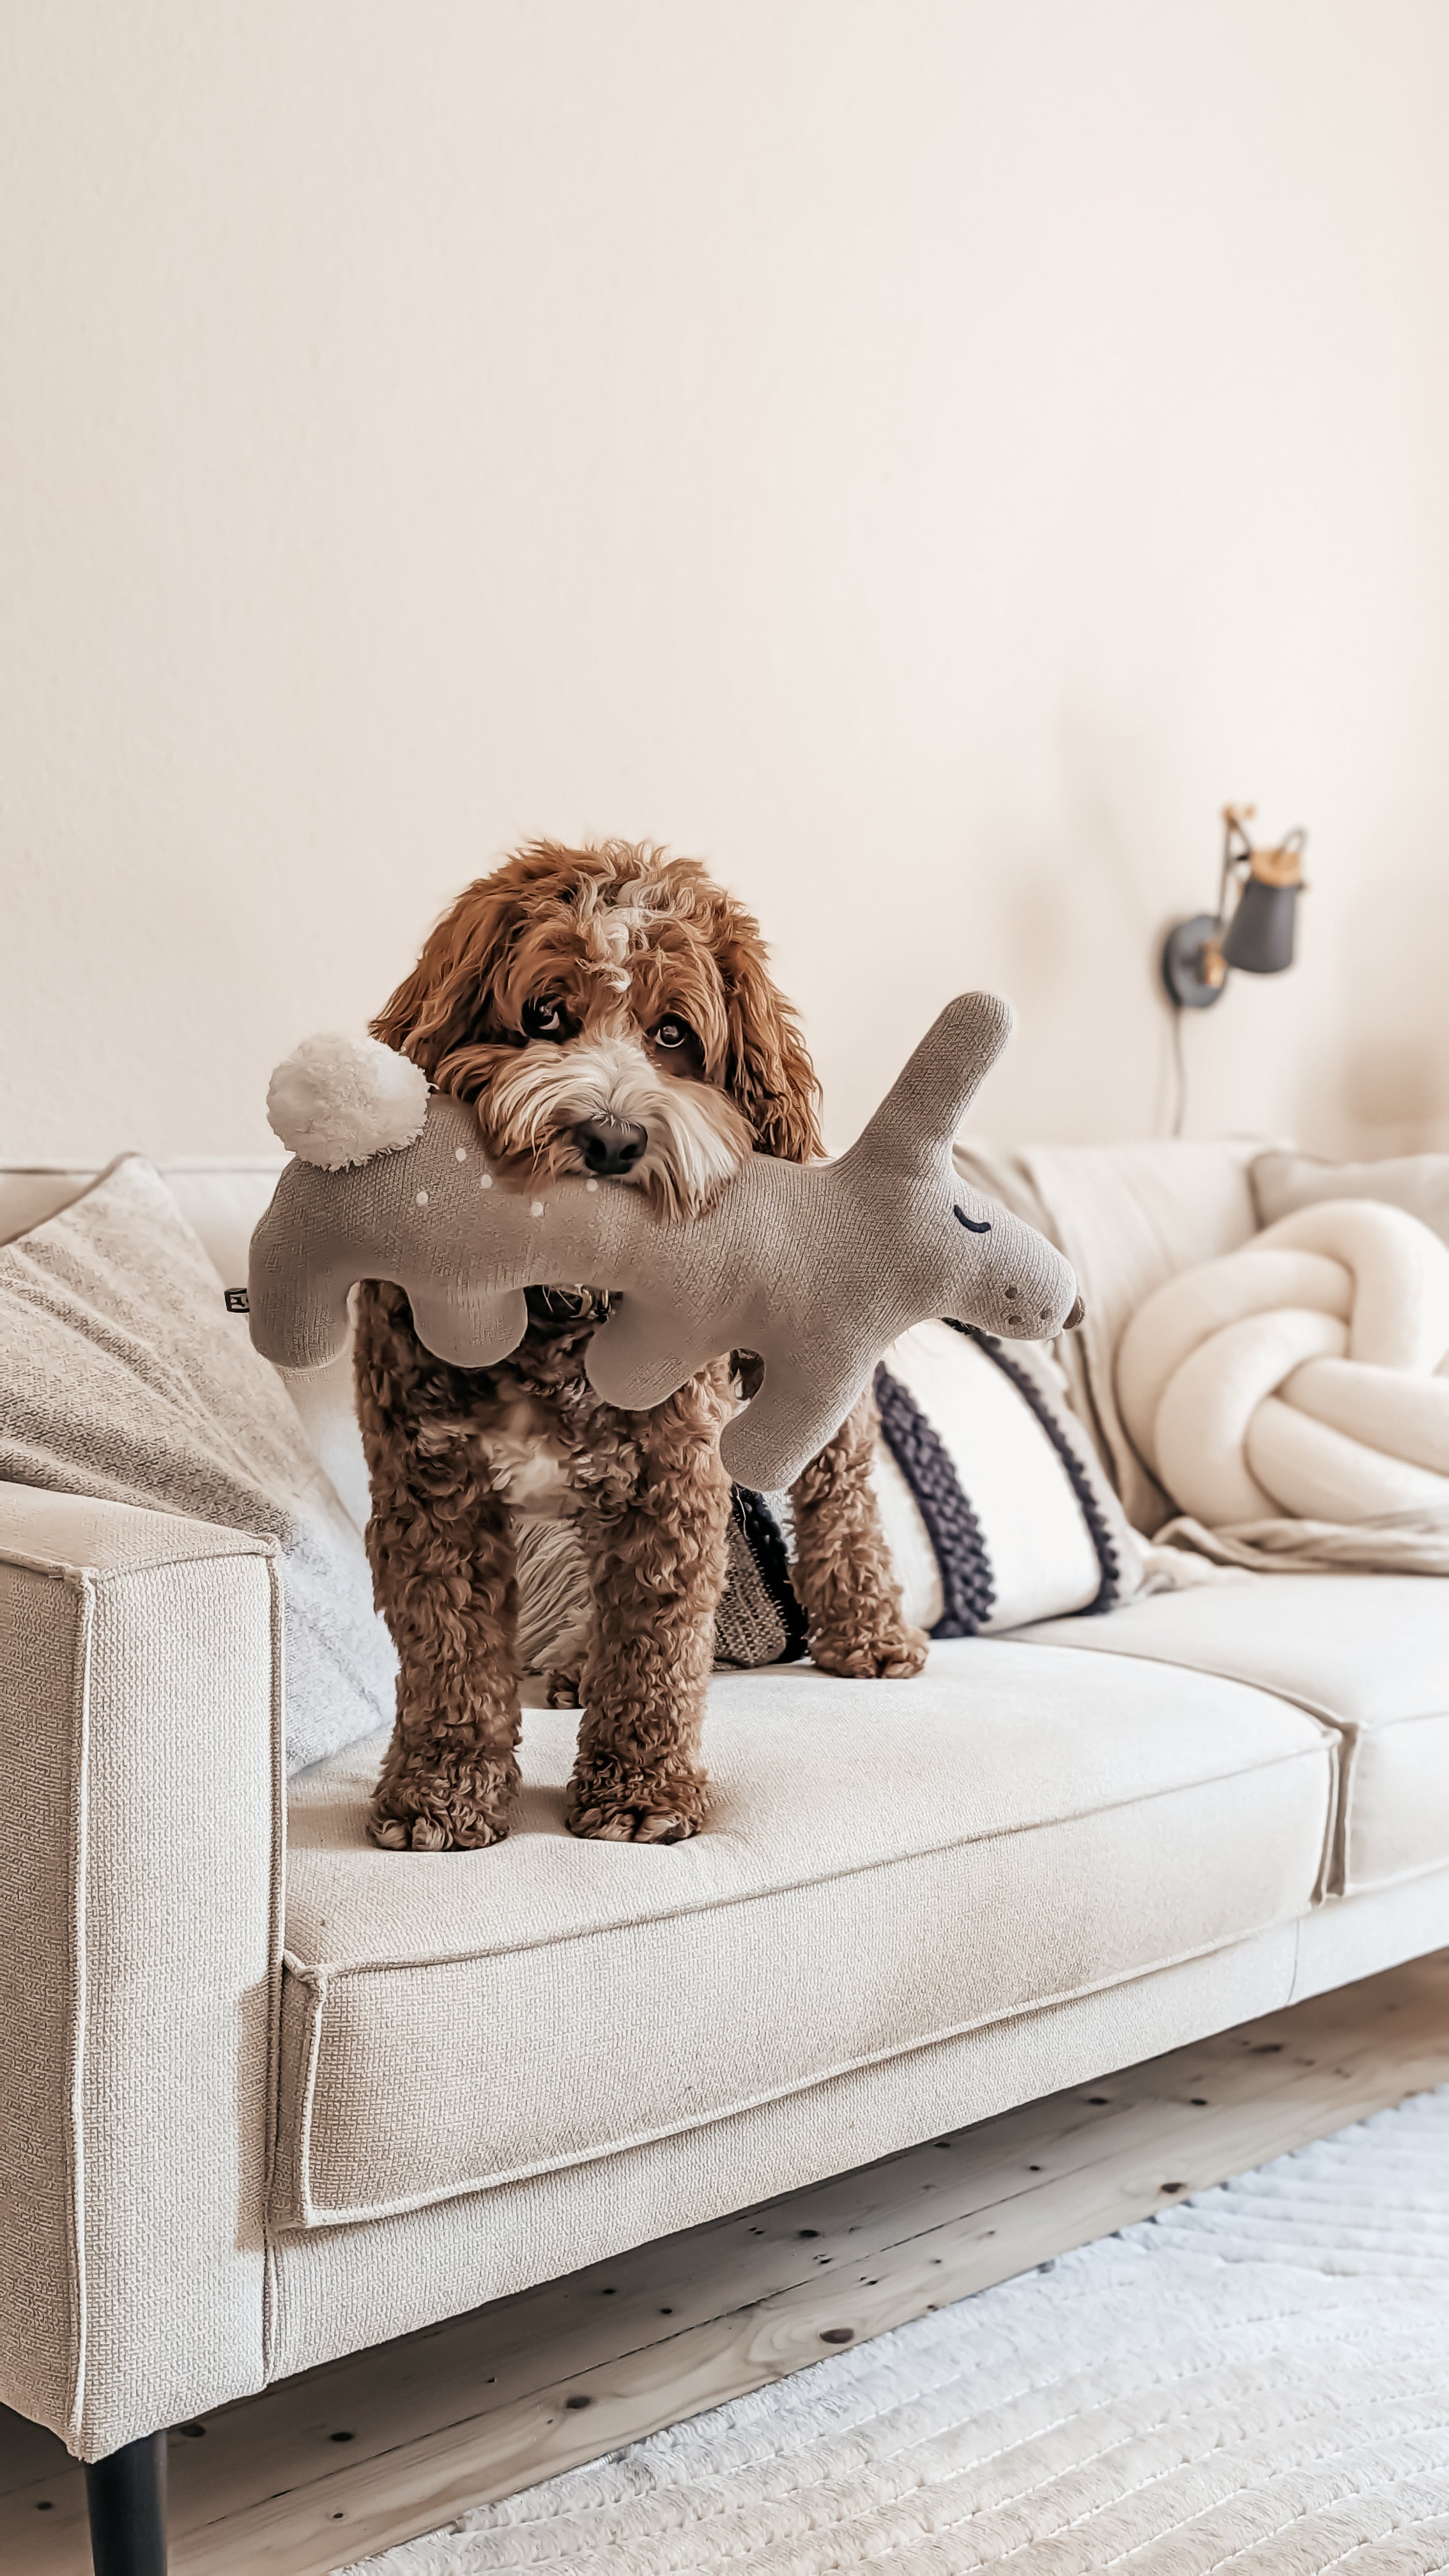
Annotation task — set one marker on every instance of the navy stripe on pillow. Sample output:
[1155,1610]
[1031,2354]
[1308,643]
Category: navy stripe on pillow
[968,1587]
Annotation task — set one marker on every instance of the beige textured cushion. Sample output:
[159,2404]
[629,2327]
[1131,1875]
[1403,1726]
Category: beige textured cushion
[1368,1653]
[342,2287]
[1418,1183]
[122,1377]
[882,1868]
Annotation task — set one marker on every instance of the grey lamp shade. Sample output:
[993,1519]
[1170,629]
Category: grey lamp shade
[1260,934]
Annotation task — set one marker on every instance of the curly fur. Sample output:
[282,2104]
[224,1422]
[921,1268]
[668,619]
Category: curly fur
[621,947]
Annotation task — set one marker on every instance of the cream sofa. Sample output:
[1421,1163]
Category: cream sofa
[268,2095]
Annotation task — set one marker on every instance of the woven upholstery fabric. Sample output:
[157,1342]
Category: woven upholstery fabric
[1368,1654]
[452,2020]
[122,1376]
[140,1673]
[759,1620]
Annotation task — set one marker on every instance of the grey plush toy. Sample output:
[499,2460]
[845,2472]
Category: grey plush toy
[816,1267]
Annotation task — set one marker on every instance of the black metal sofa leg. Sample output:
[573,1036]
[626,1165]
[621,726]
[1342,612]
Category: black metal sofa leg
[126,2499]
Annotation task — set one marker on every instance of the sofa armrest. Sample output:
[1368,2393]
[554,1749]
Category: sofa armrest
[140,1768]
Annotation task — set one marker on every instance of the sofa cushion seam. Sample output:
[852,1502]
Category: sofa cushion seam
[370,2213]
[1290,1698]
[336,1969]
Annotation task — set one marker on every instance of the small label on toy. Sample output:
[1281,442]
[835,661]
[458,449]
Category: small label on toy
[237,1301]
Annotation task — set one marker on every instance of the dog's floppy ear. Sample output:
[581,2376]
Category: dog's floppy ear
[448,1000]
[769,1074]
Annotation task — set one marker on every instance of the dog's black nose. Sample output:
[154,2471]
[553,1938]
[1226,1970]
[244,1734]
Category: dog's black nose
[610,1144]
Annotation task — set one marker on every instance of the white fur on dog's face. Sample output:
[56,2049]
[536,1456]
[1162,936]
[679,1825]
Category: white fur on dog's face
[696,1138]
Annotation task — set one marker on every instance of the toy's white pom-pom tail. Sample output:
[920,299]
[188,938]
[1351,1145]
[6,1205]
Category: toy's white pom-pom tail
[336,1101]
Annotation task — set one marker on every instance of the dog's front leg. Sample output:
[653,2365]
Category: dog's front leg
[842,1570]
[655,1524]
[446,1582]
[440,1542]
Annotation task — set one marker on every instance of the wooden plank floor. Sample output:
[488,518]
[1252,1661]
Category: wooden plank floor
[387,2444]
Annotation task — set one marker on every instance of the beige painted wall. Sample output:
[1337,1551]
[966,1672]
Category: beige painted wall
[921,454]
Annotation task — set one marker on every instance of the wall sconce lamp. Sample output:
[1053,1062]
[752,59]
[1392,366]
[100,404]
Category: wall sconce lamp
[1257,938]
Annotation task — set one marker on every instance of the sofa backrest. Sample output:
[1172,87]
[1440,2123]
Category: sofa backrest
[1126,1216]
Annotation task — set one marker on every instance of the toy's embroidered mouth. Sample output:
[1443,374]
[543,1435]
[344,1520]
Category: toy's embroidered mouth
[973,1225]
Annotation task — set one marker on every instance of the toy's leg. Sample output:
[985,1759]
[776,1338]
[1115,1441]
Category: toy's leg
[441,1549]
[842,1570]
[656,1527]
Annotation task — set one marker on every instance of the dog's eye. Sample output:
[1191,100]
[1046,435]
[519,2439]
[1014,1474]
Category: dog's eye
[543,1018]
[673,1032]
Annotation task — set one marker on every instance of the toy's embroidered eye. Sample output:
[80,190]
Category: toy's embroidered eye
[973,1225]
[673,1032]
[543,1018]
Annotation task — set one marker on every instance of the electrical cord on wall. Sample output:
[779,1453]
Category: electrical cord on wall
[1179,1075]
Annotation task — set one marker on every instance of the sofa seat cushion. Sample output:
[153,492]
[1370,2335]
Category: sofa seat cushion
[886,1864]
[1368,1653]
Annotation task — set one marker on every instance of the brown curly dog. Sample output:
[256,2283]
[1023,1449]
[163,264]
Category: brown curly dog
[610,1011]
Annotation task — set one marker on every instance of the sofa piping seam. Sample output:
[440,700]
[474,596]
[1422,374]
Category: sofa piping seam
[1350,1726]
[370,2213]
[335,1969]
[80,1988]
[76,1577]
[276,1908]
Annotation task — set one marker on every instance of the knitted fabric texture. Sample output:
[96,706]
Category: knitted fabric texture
[815,1267]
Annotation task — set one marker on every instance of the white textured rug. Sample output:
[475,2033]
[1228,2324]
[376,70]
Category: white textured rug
[1257,2380]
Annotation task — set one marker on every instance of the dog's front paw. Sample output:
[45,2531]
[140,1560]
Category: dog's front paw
[887,1648]
[608,1804]
[459,1807]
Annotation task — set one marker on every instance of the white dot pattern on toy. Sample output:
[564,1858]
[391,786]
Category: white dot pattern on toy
[422,1198]
[591,1185]
[815,1267]
[462,1153]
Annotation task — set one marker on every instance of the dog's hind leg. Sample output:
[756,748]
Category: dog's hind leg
[655,1525]
[842,1570]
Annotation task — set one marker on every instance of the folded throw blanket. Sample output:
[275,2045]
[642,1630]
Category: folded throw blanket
[1303,1379]
[1185,1554]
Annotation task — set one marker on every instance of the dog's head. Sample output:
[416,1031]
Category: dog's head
[611,1012]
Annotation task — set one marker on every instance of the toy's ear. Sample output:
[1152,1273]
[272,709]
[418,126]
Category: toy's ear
[928,1100]
[447,1001]
[768,1070]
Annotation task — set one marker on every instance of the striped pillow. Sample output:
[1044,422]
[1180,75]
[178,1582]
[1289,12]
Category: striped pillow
[994,1505]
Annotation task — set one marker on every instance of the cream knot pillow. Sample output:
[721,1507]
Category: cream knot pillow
[1306,1376]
